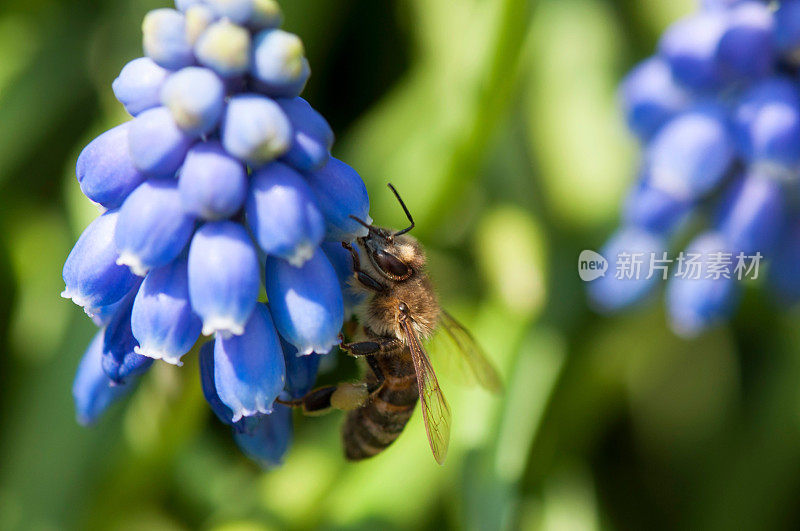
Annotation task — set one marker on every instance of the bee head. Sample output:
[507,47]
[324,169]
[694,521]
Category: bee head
[393,253]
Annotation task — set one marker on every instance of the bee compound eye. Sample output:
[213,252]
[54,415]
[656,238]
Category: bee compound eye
[392,266]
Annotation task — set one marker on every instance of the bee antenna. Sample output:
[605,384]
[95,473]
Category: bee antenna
[364,223]
[405,209]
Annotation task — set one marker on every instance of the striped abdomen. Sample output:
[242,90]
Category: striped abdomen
[370,429]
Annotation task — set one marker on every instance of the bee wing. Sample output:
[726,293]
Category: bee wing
[466,354]
[435,410]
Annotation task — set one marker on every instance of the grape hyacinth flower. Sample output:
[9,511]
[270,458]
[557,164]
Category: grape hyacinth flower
[249,371]
[717,111]
[222,182]
[105,169]
[93,390]
[695,304]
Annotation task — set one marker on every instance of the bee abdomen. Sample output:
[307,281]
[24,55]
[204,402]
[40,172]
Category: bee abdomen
[370,429]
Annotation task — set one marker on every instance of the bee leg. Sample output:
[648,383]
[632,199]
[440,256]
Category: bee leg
[363,278]
[379,345]
[354,254]
[379,376]
[369,282]
[315,402]
[344,396]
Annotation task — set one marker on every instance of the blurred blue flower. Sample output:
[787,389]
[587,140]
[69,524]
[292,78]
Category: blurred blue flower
[92,390]
[718,112]
[783,280]
[753,214]
[691,47]
[266,438]
[768,124]
[787,29]
[695,304]
[691,154]
[653,209]
[211,179]
[650,97]
[630,248]
[746,50]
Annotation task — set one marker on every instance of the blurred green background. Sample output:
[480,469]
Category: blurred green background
[496,119]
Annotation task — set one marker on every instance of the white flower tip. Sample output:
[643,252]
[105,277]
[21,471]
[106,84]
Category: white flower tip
[80,300]
[262,407]
[100,208]
[93,315]
[133,262]
[302,253]
[223,326]
[157,354]
[241,412]
[318,349]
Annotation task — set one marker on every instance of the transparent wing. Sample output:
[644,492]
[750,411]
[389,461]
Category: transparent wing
[435,410]
[462,356]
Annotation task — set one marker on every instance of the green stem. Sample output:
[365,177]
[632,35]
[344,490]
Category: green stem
[492,102]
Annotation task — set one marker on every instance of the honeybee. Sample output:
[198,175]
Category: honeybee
[399,312]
